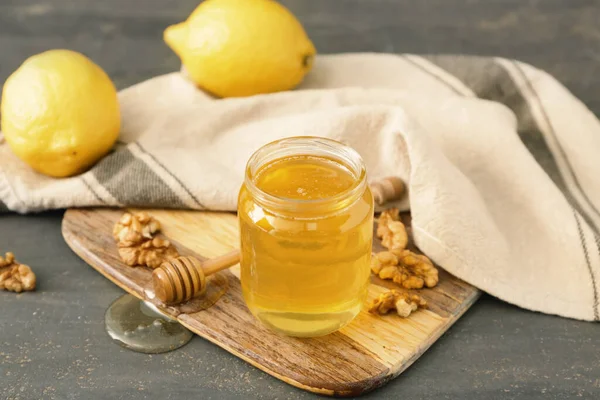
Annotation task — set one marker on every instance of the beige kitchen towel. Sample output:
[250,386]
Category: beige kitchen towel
[501,162]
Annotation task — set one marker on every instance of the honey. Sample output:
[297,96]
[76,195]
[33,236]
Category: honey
[306,224]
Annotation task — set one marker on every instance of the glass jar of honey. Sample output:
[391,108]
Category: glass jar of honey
[306,227]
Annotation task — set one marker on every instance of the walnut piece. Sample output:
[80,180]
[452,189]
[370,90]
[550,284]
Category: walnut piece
[15,277]
[150,253]
[411,270]
[403,303]
[135,236]
[391,230]
[135,229]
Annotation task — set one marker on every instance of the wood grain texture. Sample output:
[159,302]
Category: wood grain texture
[364,355]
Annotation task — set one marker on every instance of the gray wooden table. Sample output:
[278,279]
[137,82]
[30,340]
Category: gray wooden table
[52,343]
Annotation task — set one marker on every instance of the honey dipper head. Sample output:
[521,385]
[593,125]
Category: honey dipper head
[179,280]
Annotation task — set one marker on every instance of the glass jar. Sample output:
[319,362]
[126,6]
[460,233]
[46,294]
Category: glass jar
[306,227]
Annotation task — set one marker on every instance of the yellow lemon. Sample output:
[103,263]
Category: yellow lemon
[60,112]
[235,48]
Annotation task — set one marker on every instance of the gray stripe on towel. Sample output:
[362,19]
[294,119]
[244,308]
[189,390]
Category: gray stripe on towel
[172,175]
[129,180]
[588,263]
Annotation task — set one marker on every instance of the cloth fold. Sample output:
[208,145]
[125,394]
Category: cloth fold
[498,157]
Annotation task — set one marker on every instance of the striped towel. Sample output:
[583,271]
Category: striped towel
[500,159]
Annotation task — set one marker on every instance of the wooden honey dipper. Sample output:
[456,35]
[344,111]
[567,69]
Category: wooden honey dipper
[390,188]
[183,278]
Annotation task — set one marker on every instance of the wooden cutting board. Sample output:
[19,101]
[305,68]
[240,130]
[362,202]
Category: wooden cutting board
[360,357]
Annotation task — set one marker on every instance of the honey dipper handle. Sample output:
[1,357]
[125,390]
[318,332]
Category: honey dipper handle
[220,263]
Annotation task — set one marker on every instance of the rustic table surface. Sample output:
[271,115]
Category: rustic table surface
[53,344]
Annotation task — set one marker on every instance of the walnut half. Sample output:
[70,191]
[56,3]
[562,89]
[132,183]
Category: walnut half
[403,303]
[391,230]
[137,243]
[15,277]
[150,253]
[135,229]
[411,270]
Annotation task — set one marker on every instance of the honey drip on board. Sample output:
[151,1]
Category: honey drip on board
[139,326]
[305,276]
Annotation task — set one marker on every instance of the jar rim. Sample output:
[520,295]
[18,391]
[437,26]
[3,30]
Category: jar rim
[292,146]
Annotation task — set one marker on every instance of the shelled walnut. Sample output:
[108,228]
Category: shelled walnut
[135,229]
[137,244]
[412,271]
[15,277]
[391,230]
[150,253]
[403,303]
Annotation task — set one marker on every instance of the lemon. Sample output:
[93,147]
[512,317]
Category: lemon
[59,112]
[235,48]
